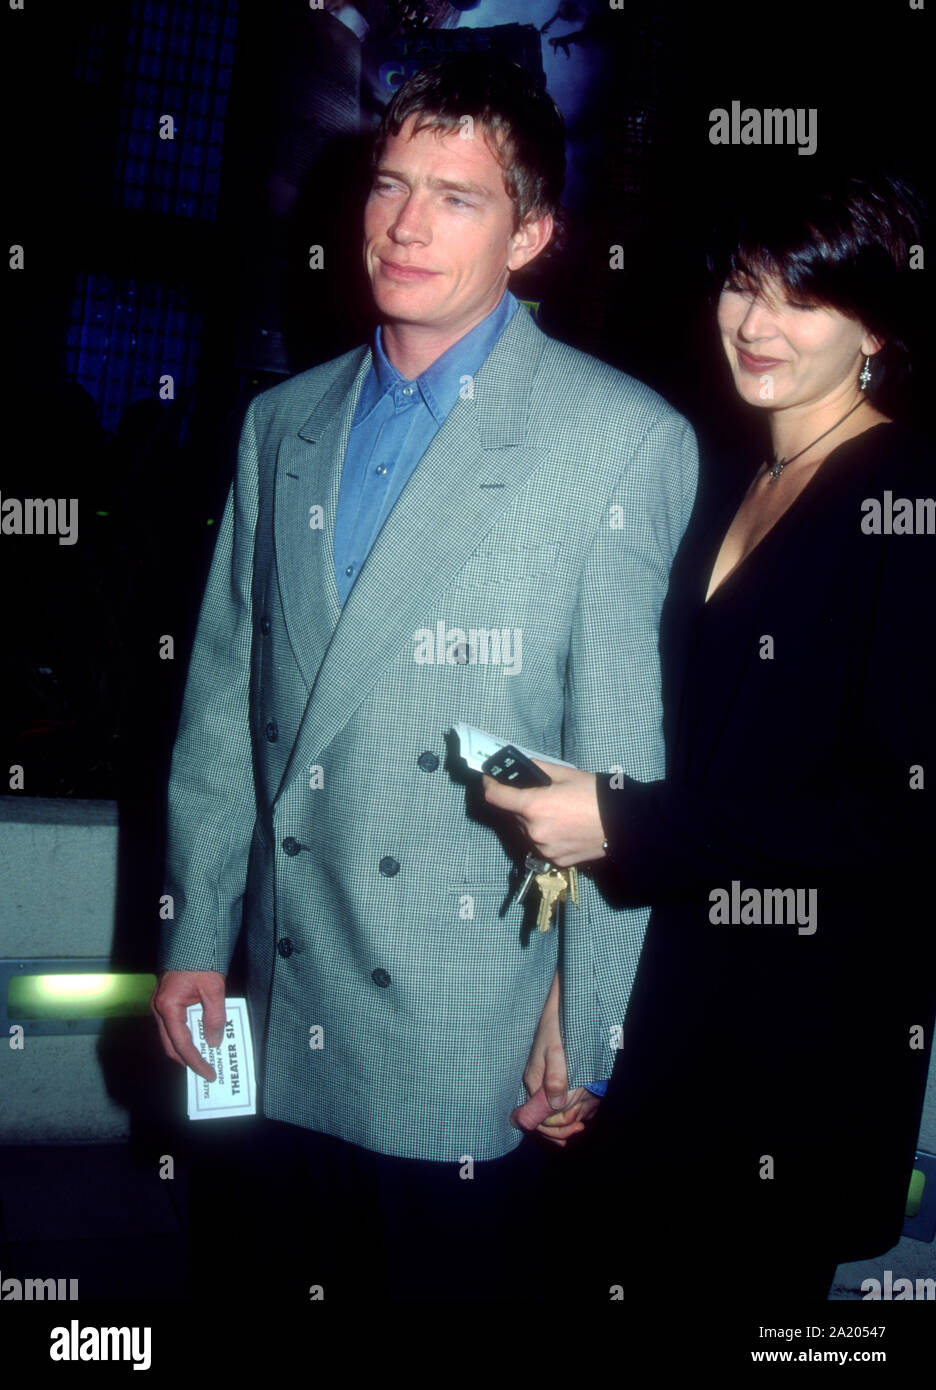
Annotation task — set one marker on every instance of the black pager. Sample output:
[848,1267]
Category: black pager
[515,769]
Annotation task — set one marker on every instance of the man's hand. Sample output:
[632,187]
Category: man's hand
[175,990]
[562,822]
[552,1110]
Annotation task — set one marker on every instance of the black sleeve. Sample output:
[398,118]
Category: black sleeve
[666,840]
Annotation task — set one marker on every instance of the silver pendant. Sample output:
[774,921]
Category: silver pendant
[776,468]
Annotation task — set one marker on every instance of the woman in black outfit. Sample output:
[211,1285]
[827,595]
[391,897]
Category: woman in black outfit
[765,1102]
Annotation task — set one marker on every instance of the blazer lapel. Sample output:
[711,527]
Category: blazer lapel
[308,474]
[468,476]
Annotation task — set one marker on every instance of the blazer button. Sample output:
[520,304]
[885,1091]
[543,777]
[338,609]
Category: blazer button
[380,977]
[285,947]
[291,846]
[389,866]
[265,626]
[272,731]
[428,762]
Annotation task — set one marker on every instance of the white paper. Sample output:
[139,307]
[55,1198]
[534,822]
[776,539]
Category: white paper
[476,747]
[235,1091]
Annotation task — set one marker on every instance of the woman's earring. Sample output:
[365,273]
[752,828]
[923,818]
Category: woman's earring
[864,376]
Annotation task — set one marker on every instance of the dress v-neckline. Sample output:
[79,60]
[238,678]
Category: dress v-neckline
[807,489]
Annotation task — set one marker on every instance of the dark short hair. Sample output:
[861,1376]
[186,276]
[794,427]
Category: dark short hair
[524,127]
[841,242]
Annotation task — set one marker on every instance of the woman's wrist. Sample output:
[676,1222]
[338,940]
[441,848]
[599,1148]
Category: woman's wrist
[603,785]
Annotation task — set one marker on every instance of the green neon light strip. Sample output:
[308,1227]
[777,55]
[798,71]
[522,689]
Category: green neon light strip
[915,1193]
[67,996]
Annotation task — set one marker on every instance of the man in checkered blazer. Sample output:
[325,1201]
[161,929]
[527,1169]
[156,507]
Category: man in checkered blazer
[518,505]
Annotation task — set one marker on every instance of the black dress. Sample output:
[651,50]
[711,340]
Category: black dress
[766,1099]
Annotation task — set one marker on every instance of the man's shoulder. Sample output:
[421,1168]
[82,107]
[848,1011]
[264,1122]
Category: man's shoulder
[577,382]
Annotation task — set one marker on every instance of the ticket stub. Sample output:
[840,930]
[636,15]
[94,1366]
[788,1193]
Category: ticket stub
[235,1091]
[476,747]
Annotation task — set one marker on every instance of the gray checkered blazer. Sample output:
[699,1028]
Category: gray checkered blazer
[301,803]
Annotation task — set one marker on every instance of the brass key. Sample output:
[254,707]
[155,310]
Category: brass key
[553,887]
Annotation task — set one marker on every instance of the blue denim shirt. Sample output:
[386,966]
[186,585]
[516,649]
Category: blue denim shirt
[395,422]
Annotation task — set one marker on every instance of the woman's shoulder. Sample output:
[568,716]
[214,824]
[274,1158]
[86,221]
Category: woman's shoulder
[887,495]
[890,454]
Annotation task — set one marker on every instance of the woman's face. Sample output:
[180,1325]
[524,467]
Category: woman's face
[787,354]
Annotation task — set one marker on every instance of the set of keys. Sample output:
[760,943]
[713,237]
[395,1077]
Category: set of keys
[554,886]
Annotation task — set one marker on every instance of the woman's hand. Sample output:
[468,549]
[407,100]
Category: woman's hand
[561,821]
[546,1079]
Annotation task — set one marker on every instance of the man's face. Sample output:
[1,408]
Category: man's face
[439,236]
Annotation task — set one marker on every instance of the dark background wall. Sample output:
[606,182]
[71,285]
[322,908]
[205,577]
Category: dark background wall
[146,257]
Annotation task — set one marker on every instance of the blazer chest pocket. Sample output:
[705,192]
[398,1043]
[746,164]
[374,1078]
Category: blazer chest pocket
[501,567]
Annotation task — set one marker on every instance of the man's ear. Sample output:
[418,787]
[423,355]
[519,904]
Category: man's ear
[529,239]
